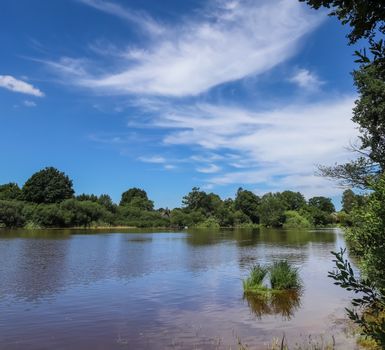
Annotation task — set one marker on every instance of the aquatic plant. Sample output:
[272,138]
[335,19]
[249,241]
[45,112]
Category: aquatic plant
[254,282]
[284,276]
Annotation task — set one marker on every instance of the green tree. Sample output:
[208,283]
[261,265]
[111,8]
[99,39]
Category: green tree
[200,200]
[293,200]
[248,203]
[10,191]
[87,197]
[323,204]
[137,198]
[106,201]
[348,200]
[367,20]
[365,17]
[272,210]
[48,186]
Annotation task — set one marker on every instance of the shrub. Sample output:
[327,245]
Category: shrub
[210,222]
[11,213]
[294,220]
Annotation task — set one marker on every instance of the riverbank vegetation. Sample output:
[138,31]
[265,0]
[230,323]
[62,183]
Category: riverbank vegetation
[366,237]
[47,199]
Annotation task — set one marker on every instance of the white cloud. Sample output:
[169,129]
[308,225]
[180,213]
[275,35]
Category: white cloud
[306,80]
[29,103]
[169,167]
[211,168]
[136,17]
[231,42]
[279,148]
[153,159]
[10,83]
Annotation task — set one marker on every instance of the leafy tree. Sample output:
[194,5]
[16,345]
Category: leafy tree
[365,17]
[200,200]
[293,200]
[367,20]
[323,204]
[106,201]
[87,197]
[10,191]
[348,200]
[272,210]
[194,199]
[48,186]
[137,198]
[247,202]
[367,234]
[11,213]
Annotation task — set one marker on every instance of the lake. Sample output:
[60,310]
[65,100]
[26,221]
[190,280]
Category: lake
[87,289]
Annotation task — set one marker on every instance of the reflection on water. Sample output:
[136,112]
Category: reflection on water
[114,289]
[283,303]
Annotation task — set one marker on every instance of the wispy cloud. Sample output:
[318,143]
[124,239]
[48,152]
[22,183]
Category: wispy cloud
[29,103]
[306,80]
[138,18]
[233,41]
[210,169]
[153,159]
[11,83]
[272,147]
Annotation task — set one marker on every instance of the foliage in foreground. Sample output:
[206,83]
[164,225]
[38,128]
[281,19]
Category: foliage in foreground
[366,19]
[370,315]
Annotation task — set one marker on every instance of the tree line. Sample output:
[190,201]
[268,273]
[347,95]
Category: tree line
[47,199]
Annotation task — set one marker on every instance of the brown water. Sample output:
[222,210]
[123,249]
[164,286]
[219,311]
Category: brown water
[172,290]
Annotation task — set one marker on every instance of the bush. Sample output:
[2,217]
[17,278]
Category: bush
[294,220]
[210,222]
[11,213]
[133,216]
[47,215]
[284,276]
[83,213]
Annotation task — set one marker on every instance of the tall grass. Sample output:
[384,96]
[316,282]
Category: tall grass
[255,279]
[284,276]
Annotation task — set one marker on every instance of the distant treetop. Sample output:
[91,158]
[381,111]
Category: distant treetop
[48,185]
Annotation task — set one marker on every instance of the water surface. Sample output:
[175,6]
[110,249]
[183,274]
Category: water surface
[84,289]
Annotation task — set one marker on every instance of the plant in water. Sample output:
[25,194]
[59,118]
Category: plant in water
[254,282]
[284,276]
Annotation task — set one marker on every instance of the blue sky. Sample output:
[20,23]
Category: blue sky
[167,95]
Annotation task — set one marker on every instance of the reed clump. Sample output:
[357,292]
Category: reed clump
[282,276]
[254,283]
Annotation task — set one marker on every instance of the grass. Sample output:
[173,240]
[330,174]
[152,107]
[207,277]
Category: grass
[284,276]
[254,283]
